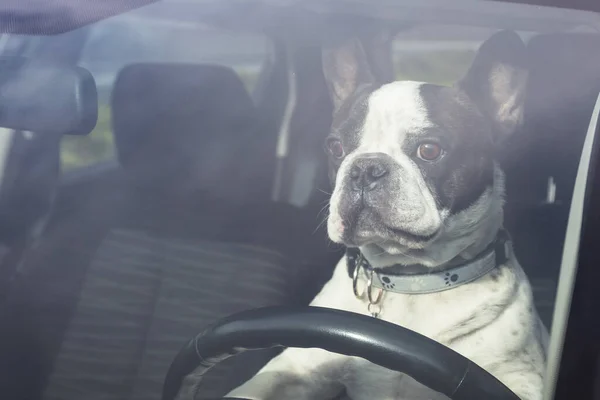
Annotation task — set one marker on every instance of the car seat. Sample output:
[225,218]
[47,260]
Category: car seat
[160,249]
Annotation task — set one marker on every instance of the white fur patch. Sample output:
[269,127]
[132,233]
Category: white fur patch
[395,110]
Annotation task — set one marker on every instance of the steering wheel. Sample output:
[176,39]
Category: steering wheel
[380,342]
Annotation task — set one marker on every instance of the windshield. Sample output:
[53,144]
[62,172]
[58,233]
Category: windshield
[411,164]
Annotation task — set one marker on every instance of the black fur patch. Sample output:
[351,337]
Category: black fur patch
[467,169]
[348,122]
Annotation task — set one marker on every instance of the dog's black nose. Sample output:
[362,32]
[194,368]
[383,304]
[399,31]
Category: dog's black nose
[367,171]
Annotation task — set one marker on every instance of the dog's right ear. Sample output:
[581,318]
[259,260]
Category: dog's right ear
[346,67]
[497,82]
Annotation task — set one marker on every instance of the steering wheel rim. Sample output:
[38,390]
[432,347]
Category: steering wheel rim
[391,346]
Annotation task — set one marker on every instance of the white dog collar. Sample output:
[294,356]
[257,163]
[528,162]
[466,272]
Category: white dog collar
[496,254]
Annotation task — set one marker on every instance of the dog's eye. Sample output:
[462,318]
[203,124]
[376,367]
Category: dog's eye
[429,151]
[335,148]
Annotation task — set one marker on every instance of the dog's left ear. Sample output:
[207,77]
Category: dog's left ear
[346,67]
[497,81]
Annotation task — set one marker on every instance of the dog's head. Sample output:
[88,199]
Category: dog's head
[413,164]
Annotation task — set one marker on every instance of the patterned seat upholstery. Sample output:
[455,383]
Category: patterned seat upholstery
[155,252]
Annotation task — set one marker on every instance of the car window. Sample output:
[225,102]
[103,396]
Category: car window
[143,36]
[438,202]
[439,53]
[17,45]
[436,53]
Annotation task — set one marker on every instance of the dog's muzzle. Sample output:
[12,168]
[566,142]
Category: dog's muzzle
[367,172]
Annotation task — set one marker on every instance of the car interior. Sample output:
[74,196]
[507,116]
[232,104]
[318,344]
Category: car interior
[214,199]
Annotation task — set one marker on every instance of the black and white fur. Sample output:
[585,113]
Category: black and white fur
[425,214]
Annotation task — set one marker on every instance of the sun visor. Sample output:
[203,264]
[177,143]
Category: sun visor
[43,17]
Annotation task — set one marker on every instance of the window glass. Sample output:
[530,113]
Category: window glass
[437,53]
[230,201]
[143,36]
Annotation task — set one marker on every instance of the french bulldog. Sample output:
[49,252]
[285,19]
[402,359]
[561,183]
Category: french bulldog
[418,201]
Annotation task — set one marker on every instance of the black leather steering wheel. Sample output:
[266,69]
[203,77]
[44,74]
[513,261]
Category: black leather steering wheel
[380,342]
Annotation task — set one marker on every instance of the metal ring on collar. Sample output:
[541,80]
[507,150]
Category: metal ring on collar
[355,275]
[374,309]
[370,290]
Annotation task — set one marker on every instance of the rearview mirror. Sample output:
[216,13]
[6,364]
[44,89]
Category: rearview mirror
[46,97]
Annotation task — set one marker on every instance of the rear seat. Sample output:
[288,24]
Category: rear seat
[563,87]
[161,249]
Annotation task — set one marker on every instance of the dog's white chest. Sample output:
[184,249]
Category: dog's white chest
[484,321]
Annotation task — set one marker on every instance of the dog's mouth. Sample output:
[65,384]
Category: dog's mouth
[414,237]
[365,226]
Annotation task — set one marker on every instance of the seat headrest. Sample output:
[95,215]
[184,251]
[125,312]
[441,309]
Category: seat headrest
[179,122]
[564,82]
